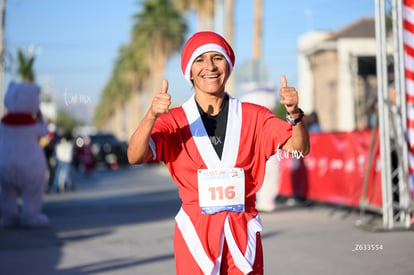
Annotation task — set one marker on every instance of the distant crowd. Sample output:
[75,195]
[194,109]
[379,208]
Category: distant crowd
[64,152]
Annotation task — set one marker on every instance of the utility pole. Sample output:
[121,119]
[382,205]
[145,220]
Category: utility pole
[257,30]
[2,53]
[229,35]
[257,41]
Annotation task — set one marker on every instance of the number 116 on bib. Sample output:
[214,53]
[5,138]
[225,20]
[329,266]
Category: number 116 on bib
[221,190]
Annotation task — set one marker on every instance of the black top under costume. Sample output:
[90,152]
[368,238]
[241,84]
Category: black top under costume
[216,125]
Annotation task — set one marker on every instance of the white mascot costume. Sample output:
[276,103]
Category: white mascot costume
[265,95]
[22,160]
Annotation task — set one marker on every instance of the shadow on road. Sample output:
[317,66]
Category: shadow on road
[99,206]
[113,265]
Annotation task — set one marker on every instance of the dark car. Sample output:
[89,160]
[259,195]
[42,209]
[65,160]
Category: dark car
[108,151]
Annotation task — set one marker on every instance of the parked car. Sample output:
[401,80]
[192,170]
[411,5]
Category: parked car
[108,151]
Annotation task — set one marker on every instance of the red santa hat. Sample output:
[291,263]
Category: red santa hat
[202,42]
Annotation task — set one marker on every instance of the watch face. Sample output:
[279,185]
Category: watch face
[290,119]
[293,121]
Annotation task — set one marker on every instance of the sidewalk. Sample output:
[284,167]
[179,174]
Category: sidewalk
[114,225]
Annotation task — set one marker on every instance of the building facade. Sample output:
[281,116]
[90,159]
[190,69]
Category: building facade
[337,75]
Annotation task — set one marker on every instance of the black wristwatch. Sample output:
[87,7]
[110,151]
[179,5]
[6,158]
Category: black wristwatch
[294,121]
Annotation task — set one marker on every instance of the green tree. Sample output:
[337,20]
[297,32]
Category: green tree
[204,10]
[280,111]
[25,69]
[128,75]
[159,32]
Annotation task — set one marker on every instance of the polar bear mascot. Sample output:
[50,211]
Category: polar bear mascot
[22,160]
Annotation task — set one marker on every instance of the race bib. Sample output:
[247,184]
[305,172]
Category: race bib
[221,190]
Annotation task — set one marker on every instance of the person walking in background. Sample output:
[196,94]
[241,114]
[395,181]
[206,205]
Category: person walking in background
[64,156]
[87,159]
[216,148]
[49,149]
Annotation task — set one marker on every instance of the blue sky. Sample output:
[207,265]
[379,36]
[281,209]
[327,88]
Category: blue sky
[76,42]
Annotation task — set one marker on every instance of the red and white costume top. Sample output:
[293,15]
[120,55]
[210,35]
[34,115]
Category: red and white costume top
[180,140]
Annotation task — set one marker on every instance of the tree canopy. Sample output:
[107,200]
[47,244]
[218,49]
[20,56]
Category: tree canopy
[25,66]
[157,33]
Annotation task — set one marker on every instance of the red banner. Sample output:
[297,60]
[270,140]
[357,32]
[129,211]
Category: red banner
[335,170]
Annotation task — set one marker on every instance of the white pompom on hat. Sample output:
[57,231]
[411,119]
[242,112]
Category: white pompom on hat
[202,42]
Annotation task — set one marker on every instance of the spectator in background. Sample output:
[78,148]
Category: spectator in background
[312,122]
[49,149]
[87,159]
[64,156]
[299,172]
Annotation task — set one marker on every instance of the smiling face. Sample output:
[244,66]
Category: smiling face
[209,73]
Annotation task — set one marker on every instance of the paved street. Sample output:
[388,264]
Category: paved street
[121,222]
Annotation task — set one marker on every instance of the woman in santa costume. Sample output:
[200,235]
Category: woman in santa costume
[216,148]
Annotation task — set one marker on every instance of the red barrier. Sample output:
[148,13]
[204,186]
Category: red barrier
[334,171]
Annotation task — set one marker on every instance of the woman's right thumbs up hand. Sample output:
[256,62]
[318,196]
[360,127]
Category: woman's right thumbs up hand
[161,101]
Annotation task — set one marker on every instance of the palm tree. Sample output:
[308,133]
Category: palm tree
[257,30]
[25,68]
[228,33]
[204,10]
[159,31]
[205,15]
[127,78]
[229,20]
[132,66]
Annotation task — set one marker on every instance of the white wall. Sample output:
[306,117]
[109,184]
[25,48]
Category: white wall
[306,44]
[348,52]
